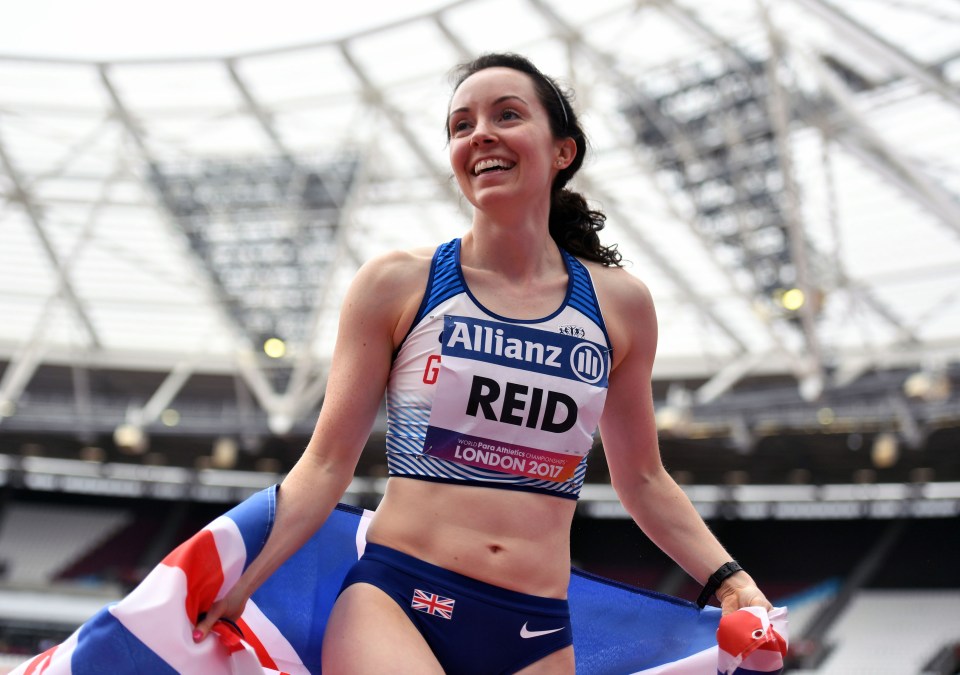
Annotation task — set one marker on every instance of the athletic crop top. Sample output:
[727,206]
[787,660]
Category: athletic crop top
[479,399]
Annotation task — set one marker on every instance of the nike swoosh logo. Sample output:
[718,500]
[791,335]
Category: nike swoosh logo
[524,633]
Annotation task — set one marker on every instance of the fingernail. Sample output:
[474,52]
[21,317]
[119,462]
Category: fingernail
[197,636]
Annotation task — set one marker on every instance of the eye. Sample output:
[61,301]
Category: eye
[510,114]
[458,127]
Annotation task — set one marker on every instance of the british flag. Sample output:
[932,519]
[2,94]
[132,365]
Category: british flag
[617,628]
[431,603]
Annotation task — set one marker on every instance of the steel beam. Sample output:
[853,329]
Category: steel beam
[35,218]
[19,372]
[164,394]
[780,116]
[663,264]
[607,61]
[689,20]
[727,377]
[869,41]
[258,111]
[246,364]
[376,97]
[859,137]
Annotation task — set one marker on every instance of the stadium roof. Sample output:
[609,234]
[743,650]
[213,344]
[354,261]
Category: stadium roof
[784,176]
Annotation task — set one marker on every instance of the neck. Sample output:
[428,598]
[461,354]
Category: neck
[513,252]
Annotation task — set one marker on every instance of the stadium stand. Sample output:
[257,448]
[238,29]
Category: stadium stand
[39,540]
[891,633]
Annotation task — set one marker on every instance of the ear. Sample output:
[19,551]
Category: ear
[566,152]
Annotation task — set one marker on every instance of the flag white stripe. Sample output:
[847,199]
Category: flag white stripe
[231,549]
[277,646]
[700,663]
[153,613]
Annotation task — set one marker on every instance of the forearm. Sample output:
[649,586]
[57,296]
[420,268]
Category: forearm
[668,518]
[665,514]
[306,497]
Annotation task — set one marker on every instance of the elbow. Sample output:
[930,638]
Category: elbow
[331,472]
[634,487]
[636,477]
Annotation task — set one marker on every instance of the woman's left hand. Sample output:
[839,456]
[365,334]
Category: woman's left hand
[739,590]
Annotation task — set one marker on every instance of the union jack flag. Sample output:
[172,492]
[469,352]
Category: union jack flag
[617,628]
[431,603]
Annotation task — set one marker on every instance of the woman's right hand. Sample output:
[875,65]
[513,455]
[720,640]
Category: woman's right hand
[229,607]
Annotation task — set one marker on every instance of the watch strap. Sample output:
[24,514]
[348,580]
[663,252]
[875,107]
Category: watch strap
[713,583]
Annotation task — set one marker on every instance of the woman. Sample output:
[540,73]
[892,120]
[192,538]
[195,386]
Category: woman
[498,367]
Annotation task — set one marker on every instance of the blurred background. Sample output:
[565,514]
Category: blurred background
[187,189]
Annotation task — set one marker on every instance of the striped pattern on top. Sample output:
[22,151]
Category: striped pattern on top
[408,429]
[445,279]
[581,296]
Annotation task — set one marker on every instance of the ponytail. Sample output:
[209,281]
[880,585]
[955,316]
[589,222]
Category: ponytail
[574,227]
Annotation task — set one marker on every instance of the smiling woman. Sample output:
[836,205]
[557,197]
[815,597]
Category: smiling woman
[498,365]
[117,177]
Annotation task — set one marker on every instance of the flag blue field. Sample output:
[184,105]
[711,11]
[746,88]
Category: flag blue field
[618,629]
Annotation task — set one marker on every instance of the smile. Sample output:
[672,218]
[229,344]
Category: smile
[485,165]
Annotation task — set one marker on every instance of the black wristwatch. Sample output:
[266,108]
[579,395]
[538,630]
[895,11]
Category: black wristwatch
[717,578]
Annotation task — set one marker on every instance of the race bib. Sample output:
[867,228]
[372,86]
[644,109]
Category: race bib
[516,399]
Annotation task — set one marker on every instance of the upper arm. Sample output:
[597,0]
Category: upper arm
[371,324]
[628,425]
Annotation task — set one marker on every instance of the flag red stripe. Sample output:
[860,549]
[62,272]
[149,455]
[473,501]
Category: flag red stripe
[265,660]
[199,559]
[40,662]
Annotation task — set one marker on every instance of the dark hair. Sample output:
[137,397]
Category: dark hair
[573,224]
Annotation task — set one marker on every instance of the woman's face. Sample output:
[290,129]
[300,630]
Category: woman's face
[501,145]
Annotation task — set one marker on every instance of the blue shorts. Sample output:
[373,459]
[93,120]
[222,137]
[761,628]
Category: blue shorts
[471,626]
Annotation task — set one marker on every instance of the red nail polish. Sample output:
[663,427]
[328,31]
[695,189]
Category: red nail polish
[197,636]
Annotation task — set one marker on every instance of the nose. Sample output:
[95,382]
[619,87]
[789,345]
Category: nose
[483,134]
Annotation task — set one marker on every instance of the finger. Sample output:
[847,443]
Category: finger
[205,623]
[760,600]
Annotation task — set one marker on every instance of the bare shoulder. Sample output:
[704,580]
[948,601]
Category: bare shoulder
[628,311]
[395,270]
[620,291]
[388,289]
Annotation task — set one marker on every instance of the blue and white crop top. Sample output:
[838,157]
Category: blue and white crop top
[479,399]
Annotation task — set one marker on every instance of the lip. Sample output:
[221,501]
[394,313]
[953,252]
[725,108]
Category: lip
[473,166]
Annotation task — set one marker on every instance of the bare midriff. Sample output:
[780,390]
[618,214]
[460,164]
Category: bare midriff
[509,538]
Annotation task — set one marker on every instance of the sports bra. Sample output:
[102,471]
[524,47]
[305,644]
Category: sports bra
[476,398]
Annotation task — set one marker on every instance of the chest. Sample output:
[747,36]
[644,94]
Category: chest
[517,300]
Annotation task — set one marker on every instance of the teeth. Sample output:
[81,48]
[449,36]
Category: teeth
[485,164]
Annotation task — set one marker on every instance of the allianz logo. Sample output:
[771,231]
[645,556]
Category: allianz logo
[586,360]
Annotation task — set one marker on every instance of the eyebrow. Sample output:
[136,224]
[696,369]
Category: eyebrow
[500,100]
